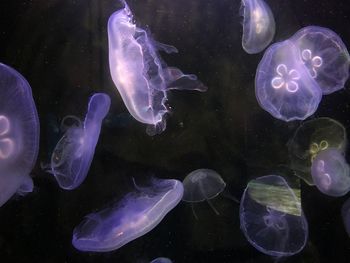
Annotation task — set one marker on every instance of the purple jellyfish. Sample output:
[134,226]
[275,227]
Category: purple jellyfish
[331,173]
[72,156]
[283,85]
[19,134]
[137,214]
[325,55]
[138,72]
[258,25]
[276,227]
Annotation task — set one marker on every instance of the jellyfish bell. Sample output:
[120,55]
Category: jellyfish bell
[310,139]
[325,55]
[161,260]
[73,154]
[273,230]
[134,216]
[331,172]
[283,86]
[204,185]
[139,74]
[258,25]
[19,134]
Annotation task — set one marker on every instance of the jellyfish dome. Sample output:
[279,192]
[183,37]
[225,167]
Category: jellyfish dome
[310,139]
[73,154]
[134,216]
[271,228]
[19,134]
[139,73]
[325,56]
[283,85]
[331,173]
[201,185]
[258,25]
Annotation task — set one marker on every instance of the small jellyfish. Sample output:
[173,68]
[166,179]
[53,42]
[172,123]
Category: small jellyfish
[330,172]
[311,138]
[345,212]
[137,214]
[19,134]
[283,86]
[72,156]
[139,73]
[325,55]
[161,260]
[258,25]
[203,185]
[271,229]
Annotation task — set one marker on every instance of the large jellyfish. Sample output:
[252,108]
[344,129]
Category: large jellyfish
[283,85]
[138,72]
[19,134]
[325,55]
[203,185]
[271,228]
[258,25]
[137,214]
[72,156]
[331,173]
[310,139]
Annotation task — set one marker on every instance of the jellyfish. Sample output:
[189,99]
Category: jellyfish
[134,216]
[139,73]
[330,172]
[258,25]
[283,86]
[271,229]
[72,156]
[325,55]
[19,134]
[310,139]
[345,212]
[203,185]
[161,260]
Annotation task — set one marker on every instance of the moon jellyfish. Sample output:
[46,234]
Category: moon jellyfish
[203,185]
[72,156]
[345,211]
[283,86]
[330,173]
[19,134]
[139,73]
[134,216]
[161,260]
[258,25]
[271,229]
[310,139]
[325,55]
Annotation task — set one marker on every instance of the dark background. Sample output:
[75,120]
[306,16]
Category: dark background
[60,46]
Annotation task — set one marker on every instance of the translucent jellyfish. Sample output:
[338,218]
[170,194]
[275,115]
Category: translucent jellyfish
[325,55]
[309,139]
[258,25]
[134,216]
[72,156]
[139,74]
[345,211]
[19,134]
[161,260]
[330,172]
[203,185]
[271,229]
[283,85]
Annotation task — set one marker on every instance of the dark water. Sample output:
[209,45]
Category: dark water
[60,46]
